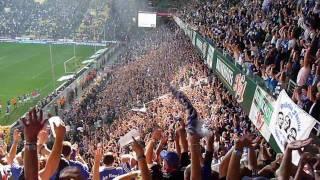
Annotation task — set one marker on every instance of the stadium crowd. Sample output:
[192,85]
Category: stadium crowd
[172,143]
[189,126]
[56,19]
[276,40]
[87,20]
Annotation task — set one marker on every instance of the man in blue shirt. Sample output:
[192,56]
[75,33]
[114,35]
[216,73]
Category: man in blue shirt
[16,171]
[67,153]
[108,171]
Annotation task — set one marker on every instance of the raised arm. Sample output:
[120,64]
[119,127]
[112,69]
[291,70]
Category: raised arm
[304,159]
[97,159]
[156,135]
[272,167]
[142,163]
[42,141]
[234,164]
[54,157]
[194,141]
[32,126]
[223,168]
[208,157]
[177,143]
[183,137]
[285,168]
[13,149]
[263,152]
[162,143]
[252,164]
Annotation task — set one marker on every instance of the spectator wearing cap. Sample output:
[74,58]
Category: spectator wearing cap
[170,163]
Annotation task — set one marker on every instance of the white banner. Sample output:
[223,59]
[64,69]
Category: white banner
[210,56]
[289,122]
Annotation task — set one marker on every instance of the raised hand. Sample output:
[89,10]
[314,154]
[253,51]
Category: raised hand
[16,135]
[244,141]
[164,140]
[3,149]
[182,124]
[316,165]
[33,125]
[193,139]
[137,148]
[248,140]
[298,144]
[210,139]
[43,137]
[60,131]
[305,158]
[156,135]
[98,155]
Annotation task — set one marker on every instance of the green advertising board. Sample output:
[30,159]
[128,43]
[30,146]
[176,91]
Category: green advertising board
[225,71]
[201,44]
[240,85]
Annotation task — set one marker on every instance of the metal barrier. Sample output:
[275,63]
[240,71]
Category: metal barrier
[291,86]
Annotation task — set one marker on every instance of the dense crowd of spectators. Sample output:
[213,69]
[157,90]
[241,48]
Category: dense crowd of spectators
[189,126]
[276,40]
[51,19]
[196,130]
[85,20]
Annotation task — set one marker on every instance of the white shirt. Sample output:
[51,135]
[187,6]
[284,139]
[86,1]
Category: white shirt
[266,3]
[292,44]
[303,76]
[311,108]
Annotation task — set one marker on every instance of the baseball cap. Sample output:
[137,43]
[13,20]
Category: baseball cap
[171,157]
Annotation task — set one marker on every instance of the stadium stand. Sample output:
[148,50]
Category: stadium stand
[88,20]
[190,125]
[276,40]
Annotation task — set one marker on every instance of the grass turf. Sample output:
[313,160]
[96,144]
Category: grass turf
[27,67]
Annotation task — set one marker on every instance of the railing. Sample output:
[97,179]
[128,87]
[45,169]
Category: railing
[291,86]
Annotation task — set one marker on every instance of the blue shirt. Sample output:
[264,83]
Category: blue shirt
[82,167]
[271,84]
[108,173]
[310,79]
[16,171]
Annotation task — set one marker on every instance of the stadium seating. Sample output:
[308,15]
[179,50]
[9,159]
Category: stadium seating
[174,105]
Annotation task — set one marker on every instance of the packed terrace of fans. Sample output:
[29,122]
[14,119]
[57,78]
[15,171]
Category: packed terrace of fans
[84,20]
[170,145]
[276,40]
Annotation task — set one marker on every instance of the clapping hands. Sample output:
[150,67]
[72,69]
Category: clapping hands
[298,144]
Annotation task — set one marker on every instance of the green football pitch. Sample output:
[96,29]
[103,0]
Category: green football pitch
[27,67]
